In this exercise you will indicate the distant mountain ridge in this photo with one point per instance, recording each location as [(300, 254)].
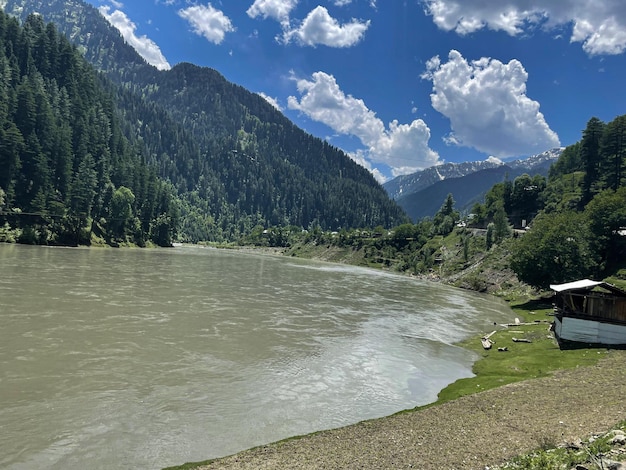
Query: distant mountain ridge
[(405, 185), (421, 194)]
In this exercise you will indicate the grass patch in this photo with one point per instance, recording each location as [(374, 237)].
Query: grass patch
[(589, 455), (521, 360)]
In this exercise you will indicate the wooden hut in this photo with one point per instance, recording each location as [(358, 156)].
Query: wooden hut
[(590, 312)]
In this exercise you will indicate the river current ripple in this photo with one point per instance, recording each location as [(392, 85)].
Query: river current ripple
[(147, 358)]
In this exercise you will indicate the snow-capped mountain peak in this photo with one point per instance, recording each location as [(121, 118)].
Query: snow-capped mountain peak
[(408, 184)]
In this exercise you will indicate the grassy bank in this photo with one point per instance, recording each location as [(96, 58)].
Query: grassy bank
[(469, 433), (537, 355)]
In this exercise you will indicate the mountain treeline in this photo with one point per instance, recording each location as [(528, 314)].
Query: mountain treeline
[(66, 168), (568, 226), (235, 162), (250, 165)]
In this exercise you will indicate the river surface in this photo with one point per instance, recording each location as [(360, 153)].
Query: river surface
[(134, 358)]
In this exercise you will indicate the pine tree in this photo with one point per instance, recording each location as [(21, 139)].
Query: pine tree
[(590, 156), (502, 228), (613, 154)]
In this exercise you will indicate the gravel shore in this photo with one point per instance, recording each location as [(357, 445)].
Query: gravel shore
[(472, 432)]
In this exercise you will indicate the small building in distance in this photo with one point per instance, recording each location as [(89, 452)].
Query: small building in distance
[(590, 313)]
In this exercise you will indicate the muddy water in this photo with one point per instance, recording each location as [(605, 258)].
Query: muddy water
[(148, 358)]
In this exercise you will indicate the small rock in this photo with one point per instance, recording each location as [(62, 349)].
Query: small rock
[(614, 465), (618, 439)]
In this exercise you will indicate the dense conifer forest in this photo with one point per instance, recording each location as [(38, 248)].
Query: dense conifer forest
[(67, 168), (233, 161)]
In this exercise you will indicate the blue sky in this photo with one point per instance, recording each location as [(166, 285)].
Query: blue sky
[(404, 85)]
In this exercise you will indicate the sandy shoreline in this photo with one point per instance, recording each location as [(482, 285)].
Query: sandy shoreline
[(471, 432)]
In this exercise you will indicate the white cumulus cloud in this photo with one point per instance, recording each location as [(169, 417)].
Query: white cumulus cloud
[(600, 25), (144, 46), (278, 10), (207, 21), (321, 28), (403, 147), (487, 105)]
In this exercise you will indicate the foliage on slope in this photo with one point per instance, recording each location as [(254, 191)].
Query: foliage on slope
[(533, 230), (67, 168), (579, 232), (235, 161)]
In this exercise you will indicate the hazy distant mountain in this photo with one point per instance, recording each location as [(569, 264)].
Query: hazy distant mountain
[(405, 185), (421, 194)]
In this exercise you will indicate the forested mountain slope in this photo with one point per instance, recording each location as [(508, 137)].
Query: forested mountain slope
[(67, 169), (235, 161)]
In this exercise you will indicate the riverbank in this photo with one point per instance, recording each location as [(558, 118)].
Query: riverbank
[(528, 395), (470, 433)]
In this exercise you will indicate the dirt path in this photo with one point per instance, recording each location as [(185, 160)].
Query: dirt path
[(472, 432)]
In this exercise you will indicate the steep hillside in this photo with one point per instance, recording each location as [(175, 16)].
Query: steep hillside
[(235, 161), (101, 44), (67, 170)]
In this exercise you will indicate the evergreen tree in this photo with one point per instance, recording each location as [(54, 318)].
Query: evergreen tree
[(83, 189), (501, 226), (121, 212), (490, 237), (11, 147), (446, 217), (569, 162), (613, 154), (606, 214), (590, 156)]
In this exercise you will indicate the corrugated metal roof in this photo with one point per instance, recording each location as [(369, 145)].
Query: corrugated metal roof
[(582, 284), (588, 284)]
